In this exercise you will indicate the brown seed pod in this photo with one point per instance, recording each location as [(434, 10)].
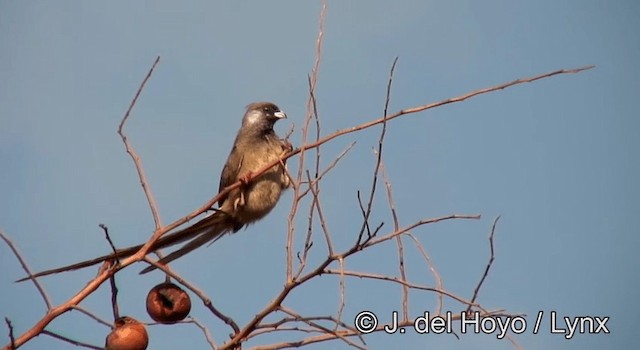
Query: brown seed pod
[(167, 303), (127, 334)]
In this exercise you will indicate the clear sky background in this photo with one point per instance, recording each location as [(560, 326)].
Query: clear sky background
[(556, 159)]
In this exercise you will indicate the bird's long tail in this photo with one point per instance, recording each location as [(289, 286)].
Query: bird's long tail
[(200, 233), (210, 228)]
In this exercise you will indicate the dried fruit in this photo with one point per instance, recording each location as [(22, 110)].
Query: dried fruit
[(127, 334), (167, 303)]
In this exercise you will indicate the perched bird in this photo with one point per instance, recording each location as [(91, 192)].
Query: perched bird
[(256, 145)]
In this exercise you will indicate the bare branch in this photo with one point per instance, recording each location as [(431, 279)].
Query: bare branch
[(491, 258), (399, 244), (324, 330), (351, 333), (396, 225), (432, 268), (71, 341), (105, 229), (12, 340), (311, 112), (425, 107), (308, 242), (366, 213), (92, 316), (27, 270), (410, 285), (114, 297), (323, 222), (419, 223), (134, 155), (204, 330), (342, 289)]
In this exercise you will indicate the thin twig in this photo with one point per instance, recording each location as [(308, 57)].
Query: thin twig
[(366, 213), (489, 263), (365, 220), (92, 316), (399, 244), (311, 112), (324, 330), (71, 341), (134, 155), (405, 229), (366, 275), (318, 208), (204, 330), (342, 287), (114, 297), (425, 107), (432, 268), (27, 270), (513, 342), (105, 229), (308, 242), (280, 325), (12, 340), (350, 333)]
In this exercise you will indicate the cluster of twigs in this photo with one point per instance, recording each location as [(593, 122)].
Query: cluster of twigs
[(299, 270)]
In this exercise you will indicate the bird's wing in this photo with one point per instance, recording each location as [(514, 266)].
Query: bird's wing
[(231, 171)]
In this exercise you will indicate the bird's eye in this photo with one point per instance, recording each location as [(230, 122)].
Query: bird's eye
[(266, 109)]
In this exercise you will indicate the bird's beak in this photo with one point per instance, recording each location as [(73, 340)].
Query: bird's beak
[(280, 115)]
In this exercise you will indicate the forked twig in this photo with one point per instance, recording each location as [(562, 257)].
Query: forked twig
[(134, 155)]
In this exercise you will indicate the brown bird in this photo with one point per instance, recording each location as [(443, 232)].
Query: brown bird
[(256, 146)]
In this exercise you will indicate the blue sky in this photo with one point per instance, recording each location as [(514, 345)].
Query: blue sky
[(556, 158)]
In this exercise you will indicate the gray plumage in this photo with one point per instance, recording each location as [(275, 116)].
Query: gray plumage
[(255, 146)]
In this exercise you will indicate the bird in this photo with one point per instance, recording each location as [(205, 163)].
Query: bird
[(256, 145)]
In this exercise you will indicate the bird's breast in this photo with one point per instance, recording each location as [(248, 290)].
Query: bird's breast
[(261, 197)]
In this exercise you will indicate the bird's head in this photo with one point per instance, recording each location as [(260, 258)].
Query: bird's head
[(262, 114)]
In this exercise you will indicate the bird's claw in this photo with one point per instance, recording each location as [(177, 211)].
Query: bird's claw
[(246, 178), (244, 181), (288, 147)]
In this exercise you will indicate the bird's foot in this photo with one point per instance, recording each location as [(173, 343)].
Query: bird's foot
[(287, 147), (246, 178), (214, 210)]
